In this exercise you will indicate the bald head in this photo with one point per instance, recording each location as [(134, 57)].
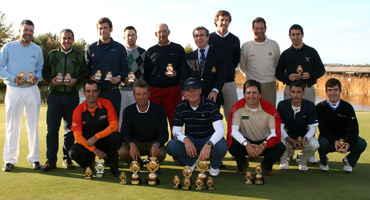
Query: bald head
[(162, 32)]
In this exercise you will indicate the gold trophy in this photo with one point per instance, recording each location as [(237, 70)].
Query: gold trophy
[(169, 69), (248, 178), (98, 75), (259, 180), (300, 70), (199, 183), (210, 183), (341, 146), (67, 78), (30, 77), (21, 76), (152, 166), (99, 167), (135, 168), (131, 77), (122, 178), (187, 178), (108, 76), (59, 78), (299, 144), (202, 168), (176, 182), (88, 173)]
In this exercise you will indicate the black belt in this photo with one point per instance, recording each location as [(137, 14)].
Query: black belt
[(109, 88)]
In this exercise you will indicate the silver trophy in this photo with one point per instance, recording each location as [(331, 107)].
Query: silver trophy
[(99, 166)]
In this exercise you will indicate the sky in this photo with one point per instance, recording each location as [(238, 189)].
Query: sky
[(339, 30)]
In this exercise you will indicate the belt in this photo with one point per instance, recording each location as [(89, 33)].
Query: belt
[(109, 88)]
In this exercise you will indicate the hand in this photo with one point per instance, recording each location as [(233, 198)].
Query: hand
[(73, 81), (294, 77), (18, 81), (259, 149), (154, 151), (305, 76), (292, 142), (93, 79), (205, 153), (134, 151), (34, 81), (53, 81), (90, 142), (115, 80), (100, 153), (174, 73), (251, 150), (212, 96), (190, 148)]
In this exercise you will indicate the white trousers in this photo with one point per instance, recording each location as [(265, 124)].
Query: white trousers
[(127, 98), (310, 148), (230, 97), (17, 100)]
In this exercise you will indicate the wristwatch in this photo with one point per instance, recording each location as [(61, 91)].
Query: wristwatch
[(156, 144), (210, 143), (245, 143)]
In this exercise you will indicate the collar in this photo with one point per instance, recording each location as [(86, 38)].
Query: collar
[(260, 42), (297, 48), (259, 108), (145, 110), (169, 42), (131, 49), (221, 35), (333, 106), (98, 105), (99, 42), (65, 52), (201, 103), (205, 51)]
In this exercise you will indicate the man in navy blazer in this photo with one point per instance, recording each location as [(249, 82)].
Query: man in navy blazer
[(207, 65)]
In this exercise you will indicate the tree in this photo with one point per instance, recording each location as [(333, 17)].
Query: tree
[(188, 48), (81, 45), (5, 30), (47, 42)]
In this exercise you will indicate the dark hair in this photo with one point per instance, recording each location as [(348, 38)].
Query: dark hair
[(258, 20), (28, 22), (298, 83), (198, 28), (296, 27), (221, 13), (141, 84), (251, 83), (67, 31), (103, 20), (332, 83), (91, 82), (130, 28)]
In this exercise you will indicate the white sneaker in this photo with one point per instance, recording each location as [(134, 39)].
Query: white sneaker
[(284, 166), (303, 168), (324, 168), (192, 168), (347, 167), (214, 172), (313, 159)]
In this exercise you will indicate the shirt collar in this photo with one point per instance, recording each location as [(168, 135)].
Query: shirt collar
[(205, 51), (259, 108), (66, 52), (221, 35), (333, 106), (169, 42), (98, 105), (145, 110)]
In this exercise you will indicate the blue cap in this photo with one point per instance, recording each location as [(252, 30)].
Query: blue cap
[(191, 83)]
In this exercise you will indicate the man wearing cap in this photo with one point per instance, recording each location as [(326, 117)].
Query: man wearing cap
[(204, 131)]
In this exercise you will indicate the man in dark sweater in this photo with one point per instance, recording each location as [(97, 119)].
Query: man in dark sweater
[(337, 120), (144, 127)]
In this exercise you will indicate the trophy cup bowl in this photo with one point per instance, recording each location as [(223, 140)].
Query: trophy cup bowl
[(98, 75), (299, 143), (30, 77), (341, 146), (21, 76), (169, 69), (199, 183), (300, 70), (131, 77), (59, 78), (67, 78), (108, 76)]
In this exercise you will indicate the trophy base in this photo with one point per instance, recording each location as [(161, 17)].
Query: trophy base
[(176, 186), (107, 79), (199, 188), (99, 175), (59, 80), (97, 79), (259, 181), (186, 187), (248, 182), (67, 80), (123, 182), (210, 187), (169, 73), (29, 81), (88, 177), (152, 182), (135, 181), (131, 80)]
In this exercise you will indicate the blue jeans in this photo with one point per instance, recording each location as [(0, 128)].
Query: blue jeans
[(177, 149)]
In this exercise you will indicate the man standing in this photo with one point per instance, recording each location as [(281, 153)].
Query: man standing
[(95, 128), (254, 130), (144, 127), (204, 131), (17, 59), (259, 58), (228, 43), (298, 120), (162, 69), (207, 65), (299, 62), (63, 97), (337, 121), (135, 58), (110, 58)]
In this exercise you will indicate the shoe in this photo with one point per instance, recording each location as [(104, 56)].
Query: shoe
[(347, 167), (313, 159), (284, 166), (48, 166), (36, 165), (214, 172), (8, 167), (68, 164), (268, 172), (303, 168), (115, 172), (243, 168), (192, 168), (324, 168)]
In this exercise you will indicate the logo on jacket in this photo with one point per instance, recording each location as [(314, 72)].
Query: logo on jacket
[(252, 55), (33, 56), (308, 59), (103, 117)]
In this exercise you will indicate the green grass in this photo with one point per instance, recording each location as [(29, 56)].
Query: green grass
[(26, 183)]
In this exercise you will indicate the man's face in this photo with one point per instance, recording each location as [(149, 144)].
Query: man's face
[(66, 40), (26, 33), (252, 96), (104, 31), (200, 38), (223, 23), (259, 30), (296, 37), (297, 94), (91, 93), (130, 37), (162, 33), (193, 95), (333, 93), (141, 96)]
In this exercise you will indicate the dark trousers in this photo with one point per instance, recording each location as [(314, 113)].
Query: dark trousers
[(272, 154), (108, 145), (355, 150), (114, 96), (59, 107)]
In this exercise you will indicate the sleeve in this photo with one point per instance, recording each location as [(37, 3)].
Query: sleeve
[(236, 53), (277, 54), (323, 128), (236, 119), (84, 71), (236, 134), (221, 72), (219, 131), (39, 65), (177, 118), (319, 69), (123, 71), (284, 134), (4, 57), (353, 126), (89, 60), (243, 58), (281, 111), (163, 130), (178, 134), (46, 71), (77, 129), (126, 129), (312, 117), (311, 131), (215, 113), (185, 74), (112, 119), (281, 73), (147, 64)]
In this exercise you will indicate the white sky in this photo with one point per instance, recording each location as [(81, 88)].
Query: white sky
[(339, 30)]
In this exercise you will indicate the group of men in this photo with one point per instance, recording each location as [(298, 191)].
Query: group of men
[(131, 93)]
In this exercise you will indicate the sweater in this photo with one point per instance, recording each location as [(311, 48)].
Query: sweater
[(135, 60)]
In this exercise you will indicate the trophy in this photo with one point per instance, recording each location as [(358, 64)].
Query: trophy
[(202, 168), (108, 76), (300, 70), (99, 167), (259, 180), (122, 178), (299, 144), (248, 178), (210, 182), (131, 77), (59, 78), (67, 78), (152, 166), (98, 75), (176, 182), (88, 173), (199, 183), (341, 146), (21, 76), (169, 69), (30, 77), (135, 168), (187, 180)]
